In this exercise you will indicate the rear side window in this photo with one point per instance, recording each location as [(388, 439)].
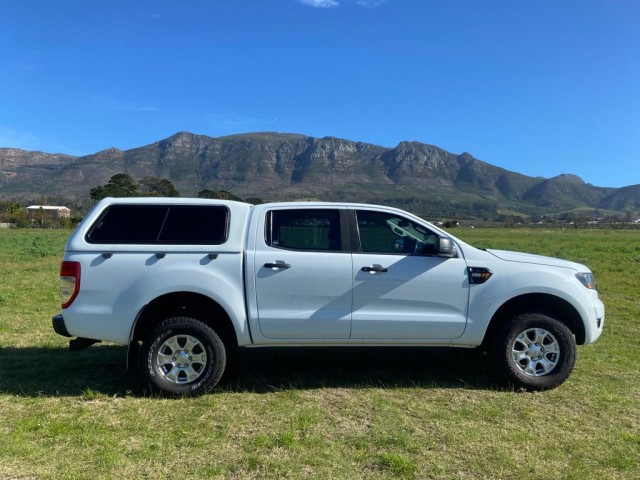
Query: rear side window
[(195, 225), (304, 229), (161, 224)]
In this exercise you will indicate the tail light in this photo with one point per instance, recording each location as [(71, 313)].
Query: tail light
[(69, 282)]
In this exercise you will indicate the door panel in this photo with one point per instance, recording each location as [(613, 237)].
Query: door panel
[(303, 275), (416, 297), (310, 299), (401, 288)]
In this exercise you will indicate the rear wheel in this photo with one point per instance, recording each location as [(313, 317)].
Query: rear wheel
[(182, 356), (535, 351)]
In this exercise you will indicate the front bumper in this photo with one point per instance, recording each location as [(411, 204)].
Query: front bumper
[(599, 312)]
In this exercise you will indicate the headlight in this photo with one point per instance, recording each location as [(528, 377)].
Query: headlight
[(587, 280)]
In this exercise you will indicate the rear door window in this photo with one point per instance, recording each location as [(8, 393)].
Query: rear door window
[(304, 229)]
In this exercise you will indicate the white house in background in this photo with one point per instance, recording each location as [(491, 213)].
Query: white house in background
[(48, 211)]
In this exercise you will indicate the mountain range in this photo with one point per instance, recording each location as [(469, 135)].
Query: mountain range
[(274, 166)]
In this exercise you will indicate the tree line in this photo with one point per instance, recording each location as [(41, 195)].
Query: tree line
[(119, 185), (123, 185)]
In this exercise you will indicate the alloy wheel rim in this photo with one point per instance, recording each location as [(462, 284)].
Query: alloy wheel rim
[(535, 352), (181, 359)]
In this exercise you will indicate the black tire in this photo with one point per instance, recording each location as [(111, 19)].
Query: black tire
[(182, 356), (535, 351)]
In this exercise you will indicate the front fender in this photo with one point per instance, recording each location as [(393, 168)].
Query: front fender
[(486, 299)]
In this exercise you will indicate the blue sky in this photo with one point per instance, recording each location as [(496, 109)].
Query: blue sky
[(540, 87)]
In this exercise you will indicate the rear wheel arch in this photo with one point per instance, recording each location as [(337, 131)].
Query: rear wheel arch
[(189, 304)]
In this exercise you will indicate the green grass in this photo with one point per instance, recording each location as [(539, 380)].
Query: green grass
[(319, 413)]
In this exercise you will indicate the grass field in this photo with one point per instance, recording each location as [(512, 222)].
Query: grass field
[(319, 413)]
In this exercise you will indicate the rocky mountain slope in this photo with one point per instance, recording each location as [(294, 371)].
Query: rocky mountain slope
[(277, 166)]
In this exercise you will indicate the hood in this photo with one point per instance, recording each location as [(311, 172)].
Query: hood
[(537, 259)]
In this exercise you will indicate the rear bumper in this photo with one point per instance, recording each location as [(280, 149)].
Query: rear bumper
[(59, 326), (77, 343)]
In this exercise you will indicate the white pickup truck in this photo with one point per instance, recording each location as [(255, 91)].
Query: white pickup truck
[(183, 281)]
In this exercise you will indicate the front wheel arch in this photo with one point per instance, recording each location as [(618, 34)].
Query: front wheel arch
[(548, 304)]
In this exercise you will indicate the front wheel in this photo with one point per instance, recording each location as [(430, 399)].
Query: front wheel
[(182, 356), (535, 351)]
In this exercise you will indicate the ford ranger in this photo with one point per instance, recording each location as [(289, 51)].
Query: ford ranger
[(181, 282)]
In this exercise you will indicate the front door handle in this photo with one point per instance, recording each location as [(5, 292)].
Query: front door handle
[(374, 269), (277, 265)]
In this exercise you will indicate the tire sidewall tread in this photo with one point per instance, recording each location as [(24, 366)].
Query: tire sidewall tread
[(213, 344), (515, 326)]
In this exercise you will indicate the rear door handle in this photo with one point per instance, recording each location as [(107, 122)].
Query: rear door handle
[(277, 265), (374, 269)]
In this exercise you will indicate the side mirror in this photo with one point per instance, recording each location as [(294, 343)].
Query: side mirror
[(446, 247)]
